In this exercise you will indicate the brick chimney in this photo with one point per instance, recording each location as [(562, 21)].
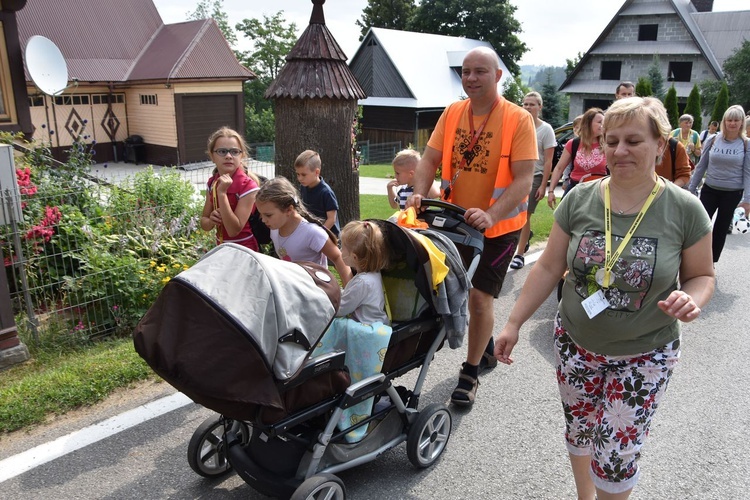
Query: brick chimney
[(703, 5)]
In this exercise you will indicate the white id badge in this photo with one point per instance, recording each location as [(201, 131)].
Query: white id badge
[(595, 304)]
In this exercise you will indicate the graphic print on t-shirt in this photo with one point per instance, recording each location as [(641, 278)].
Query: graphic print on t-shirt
[(632, 273), (477, 157)]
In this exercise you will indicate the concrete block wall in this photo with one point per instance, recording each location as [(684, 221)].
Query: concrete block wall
[(671, 29)]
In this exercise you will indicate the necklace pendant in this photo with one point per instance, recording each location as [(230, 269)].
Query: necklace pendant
[(599, 276)]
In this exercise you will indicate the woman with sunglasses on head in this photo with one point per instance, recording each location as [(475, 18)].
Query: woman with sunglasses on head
[(230, 196)]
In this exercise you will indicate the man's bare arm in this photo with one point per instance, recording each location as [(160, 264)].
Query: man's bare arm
[(424, 176)]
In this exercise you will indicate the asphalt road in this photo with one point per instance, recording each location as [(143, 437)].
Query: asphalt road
[(509, 446)]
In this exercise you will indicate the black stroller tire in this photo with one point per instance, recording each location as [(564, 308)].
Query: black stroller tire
[(428, 436), (207, 454), (325, 486)]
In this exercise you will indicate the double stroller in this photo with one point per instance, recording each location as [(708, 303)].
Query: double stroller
[(237, 332)]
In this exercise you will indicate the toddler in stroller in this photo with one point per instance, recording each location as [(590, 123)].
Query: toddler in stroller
[(236, 334)]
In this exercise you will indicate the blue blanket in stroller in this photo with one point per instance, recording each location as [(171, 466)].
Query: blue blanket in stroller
[(365, 346)]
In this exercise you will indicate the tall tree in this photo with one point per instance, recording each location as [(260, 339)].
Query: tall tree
[(391, 14), (206, 9), (722, 103), (488, 20), (514, 89), (737, 72), (551, 112), (693, 107), (673, 112), (272, 40), (709, 92), (656, 78), (643, 87)]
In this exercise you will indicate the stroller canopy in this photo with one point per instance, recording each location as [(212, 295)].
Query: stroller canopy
[(226, 330)]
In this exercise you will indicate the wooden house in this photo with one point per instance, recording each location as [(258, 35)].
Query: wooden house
[(409, 78), (132, 75)]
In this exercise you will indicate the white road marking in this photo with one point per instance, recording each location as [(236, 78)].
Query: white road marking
[(23, 462)]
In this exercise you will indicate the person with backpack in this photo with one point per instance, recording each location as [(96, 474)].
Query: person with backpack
[(231, 190), (675, 165), (588, 158)]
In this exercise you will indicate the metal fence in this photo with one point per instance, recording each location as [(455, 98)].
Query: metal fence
[(87, 250), (378, 153)]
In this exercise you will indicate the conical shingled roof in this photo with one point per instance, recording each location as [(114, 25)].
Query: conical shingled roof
[(316, 66)]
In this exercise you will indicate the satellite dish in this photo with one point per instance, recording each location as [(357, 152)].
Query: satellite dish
[(46, 65)]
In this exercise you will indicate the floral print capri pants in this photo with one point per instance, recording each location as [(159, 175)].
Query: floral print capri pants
[(609, 402)]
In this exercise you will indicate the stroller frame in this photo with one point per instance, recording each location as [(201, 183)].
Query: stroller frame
[(260, 451)]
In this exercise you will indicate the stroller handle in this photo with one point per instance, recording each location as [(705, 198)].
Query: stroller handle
[(459, 231), (431, 202)]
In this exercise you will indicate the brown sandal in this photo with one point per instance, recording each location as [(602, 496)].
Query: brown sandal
[(465, 397)]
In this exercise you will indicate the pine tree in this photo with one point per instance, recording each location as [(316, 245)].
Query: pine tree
[(551, 112), (693, 107), (656, 78), (673, 112), (643, 87), (722, 103)]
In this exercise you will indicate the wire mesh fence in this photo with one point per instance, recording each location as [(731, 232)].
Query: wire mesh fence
[(378, 153), (86, 248)]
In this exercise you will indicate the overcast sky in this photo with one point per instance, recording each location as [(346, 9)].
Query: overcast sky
[(551, 29)]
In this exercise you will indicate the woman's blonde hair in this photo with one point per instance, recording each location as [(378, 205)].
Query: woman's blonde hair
[(283, 194), (228, 133), (635, 108), (584, 132), (537, 96), (735, 112), (365, 240)]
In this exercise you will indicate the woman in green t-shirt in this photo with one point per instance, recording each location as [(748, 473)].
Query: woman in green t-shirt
[(617, 333)]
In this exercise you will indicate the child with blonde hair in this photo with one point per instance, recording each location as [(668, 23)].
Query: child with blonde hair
[(296, 234), (362, 328), (316, 193), (399, 189), (231, 190), (364, 250)]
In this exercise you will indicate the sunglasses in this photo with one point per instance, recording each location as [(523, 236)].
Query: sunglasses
[(223, 152)]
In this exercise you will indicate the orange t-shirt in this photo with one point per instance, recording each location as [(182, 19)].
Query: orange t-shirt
[(480, 170)]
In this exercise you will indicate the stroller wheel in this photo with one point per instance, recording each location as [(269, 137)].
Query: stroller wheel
[(428, 436), (207, 454), (325, 486)]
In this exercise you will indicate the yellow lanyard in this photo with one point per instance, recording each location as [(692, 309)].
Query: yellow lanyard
[(610, 258)]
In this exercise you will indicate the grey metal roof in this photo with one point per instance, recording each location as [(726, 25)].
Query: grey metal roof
[(685, 10), (608, 87), (724, 31), (126, 40), (426, 68), (661, 48)]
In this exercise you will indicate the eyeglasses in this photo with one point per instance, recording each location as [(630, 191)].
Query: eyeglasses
[(223, 152)]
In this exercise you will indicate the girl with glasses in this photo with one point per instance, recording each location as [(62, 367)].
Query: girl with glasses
[(230, 196)]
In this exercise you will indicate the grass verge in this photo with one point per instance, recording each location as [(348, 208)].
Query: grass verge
[(378, 170), (58, 380)]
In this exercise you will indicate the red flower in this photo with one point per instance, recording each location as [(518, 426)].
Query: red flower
[(626, 435), (614, 390)]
